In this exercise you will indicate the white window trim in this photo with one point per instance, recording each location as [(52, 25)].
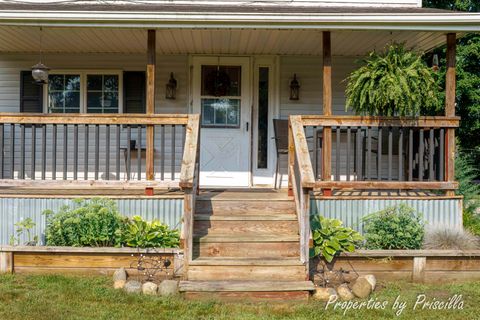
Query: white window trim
[(83, 87)]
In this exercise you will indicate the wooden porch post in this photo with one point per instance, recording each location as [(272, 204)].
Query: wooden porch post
[(150, 102), (450, 84), (327, 110)]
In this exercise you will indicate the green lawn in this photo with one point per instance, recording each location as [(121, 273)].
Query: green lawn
[(59, 297)]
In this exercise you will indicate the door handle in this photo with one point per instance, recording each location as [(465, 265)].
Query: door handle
[(247, 126)]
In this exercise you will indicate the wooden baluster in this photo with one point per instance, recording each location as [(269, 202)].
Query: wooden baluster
[(107, 152), (410, 154), (2, 134), (390, 152), (379, 155), (315, 151), (117, 152), (162, 153), (54, 152), (400, 154), (369, 152), (337, 153), (421, 149), (22, 151), (75, 152), (97, 150), (44, 150), (139, 153), (349, 145), (34, 145), (65, 150), (85, 160), (441, 169), (129, 160), (431, 150), (12, 151)]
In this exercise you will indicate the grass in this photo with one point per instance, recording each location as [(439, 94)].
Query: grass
[(55, 297)]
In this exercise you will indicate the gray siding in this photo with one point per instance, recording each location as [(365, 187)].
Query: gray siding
[(437, 212), (13, 210)]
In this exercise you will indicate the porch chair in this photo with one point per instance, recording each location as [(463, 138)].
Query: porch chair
[(280, 128)]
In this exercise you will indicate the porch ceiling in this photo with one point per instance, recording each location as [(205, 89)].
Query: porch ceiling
[(15, 39)]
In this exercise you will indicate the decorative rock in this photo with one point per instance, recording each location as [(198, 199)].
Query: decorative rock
[(324, 294), (120, 274), (344, 292), (168, 288), (119, 284), (149, 288), (133, 286), (362, 288), (371, 279)]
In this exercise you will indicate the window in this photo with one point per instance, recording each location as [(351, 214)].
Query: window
[(64, 93), (102, 93), (220, 96), (84, 91)]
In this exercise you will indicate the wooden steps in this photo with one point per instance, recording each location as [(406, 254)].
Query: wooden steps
[(247, 290), (246, 245)]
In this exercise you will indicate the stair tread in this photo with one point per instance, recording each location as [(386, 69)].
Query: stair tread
[(245, 261), (245, 217), (247, 237), (246, 286)]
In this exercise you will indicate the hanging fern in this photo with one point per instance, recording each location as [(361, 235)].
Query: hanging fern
[(396, 82)]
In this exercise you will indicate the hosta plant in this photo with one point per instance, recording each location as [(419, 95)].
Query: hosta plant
[(395, 82), (140, 233), (330, 238)]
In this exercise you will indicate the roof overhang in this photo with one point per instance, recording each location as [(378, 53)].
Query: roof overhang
[(417, 20)]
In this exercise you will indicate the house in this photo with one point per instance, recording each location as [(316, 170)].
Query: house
[(118, 115)]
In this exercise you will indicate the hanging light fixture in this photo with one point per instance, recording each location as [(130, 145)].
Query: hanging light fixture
[(435, 65), (294, 88), (171, 88), (40, 71)]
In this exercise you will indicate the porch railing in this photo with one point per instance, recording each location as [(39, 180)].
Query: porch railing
[(57, 150), (353, 152)]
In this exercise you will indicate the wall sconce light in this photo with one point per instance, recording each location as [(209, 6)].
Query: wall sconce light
[(435, 65), (294, 88), (171, 88)]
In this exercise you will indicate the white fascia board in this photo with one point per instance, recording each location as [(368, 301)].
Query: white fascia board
[(451, 22)]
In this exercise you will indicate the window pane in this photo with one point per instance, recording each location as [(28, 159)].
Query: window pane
[(55, 82), (94, 82), (94, 100), (221, 112), (262, 151), (72, 101), (220, 81), (72, 82), (55, 102), (111, 83)]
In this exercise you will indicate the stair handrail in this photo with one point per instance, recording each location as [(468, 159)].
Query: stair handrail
[(301, 181), (189, 182)]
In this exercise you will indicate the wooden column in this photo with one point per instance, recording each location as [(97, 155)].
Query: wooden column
[(327, 110), (150, 102), (450, 84)]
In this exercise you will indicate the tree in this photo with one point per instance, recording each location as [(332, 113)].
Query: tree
[(468, 78)]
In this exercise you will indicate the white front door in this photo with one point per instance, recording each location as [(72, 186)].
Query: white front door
[(221, 94)]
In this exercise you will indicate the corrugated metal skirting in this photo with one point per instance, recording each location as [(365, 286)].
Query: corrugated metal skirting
[(13, 210), (445, 212)]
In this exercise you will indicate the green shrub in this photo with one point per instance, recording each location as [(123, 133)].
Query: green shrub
[(137, 232), (397, 227), (471, 222), (394, 82), (331, 238), (24, 227), (88, 223)]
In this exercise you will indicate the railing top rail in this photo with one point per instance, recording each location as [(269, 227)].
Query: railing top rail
[(307, 178), (377, 121), (190, 154), (102, 119)]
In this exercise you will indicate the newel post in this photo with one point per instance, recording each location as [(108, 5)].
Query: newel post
[(450, 84), (151, 53), (327, 110)]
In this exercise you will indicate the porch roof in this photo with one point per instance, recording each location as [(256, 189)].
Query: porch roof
[(189, 14)]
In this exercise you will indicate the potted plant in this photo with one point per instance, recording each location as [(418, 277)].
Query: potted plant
[(395, 82)]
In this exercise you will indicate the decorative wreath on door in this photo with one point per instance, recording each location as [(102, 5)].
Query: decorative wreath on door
[(217, 83)]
